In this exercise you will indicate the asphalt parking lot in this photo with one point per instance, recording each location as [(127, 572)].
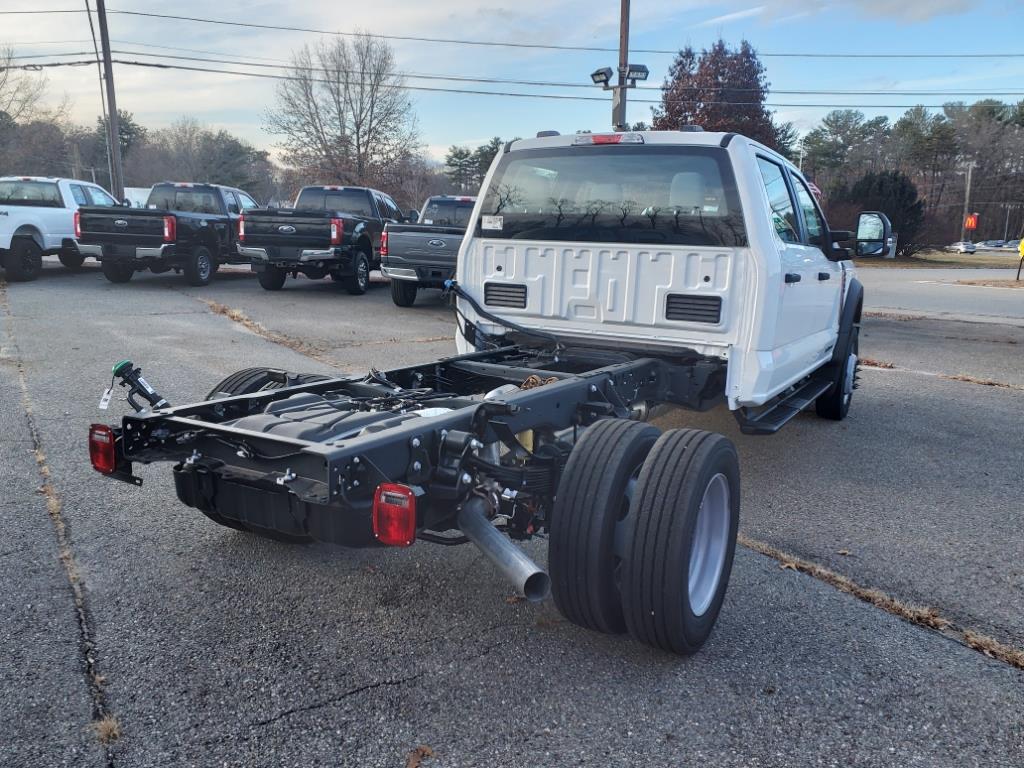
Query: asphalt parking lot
[(215, 648)]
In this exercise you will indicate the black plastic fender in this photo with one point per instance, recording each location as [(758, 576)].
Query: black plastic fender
[(848, 315)]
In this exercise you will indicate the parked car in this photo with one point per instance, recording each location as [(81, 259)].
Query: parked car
[(963, 246), (187, 227), (1012, 245), (601, 274), (423, 255), (37, 217), (991, 244), (331, 230)]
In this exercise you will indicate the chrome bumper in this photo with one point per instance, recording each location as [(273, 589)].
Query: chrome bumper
[(260, 254), (399, 273), (91, 249)]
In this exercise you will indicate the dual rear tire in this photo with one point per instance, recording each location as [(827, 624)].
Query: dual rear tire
[(643, 533)]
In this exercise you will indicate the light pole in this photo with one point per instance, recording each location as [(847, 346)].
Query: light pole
[(967, 201), (628, 73)]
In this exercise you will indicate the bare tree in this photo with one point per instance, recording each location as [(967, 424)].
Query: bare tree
[(344, 113), (20, 93)]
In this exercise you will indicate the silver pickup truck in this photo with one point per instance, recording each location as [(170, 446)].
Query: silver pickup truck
[(424, 255)]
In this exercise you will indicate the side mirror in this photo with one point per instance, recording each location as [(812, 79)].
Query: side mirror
[(127, 203), (874, 234), (412, 216)]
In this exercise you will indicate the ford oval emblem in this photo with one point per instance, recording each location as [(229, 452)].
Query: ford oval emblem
[(286, 229), (435, 243), (120, 223)]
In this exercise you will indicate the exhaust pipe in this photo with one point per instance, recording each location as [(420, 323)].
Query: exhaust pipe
[(531, 581)]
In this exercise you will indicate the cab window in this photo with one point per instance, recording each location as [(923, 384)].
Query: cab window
[(98, 197), (783, 210), (813, 220), (246, 202), (78, 193)]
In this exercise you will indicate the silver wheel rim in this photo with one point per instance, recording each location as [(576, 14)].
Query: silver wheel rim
[(851, 373), (203, 266), (710, 544), (363, 271)]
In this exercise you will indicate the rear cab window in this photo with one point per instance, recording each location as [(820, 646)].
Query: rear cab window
[(671, 195), (40, 194), (347, 200), (447, 212), (98, 197), (194, 199)]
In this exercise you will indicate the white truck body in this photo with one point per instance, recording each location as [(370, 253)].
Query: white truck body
[(43, 208), (778, 299)]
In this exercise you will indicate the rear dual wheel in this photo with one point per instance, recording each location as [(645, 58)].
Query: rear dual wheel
[(643, 532), (403, 292)]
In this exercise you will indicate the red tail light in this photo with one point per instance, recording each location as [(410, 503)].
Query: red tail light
[(78, 224), (241, 228), (102, 448), (337, 231), (394, 515), (170, 229), (384, 244)]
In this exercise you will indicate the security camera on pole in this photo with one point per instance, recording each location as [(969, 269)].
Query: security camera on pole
[(627, 76)]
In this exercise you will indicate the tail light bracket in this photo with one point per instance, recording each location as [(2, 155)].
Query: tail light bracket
[(121, 468)]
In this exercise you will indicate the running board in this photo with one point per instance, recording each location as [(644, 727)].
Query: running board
[(771, 418)]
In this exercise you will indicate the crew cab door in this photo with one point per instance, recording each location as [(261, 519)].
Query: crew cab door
[(802, 338)]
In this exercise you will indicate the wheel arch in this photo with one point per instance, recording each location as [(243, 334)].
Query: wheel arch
[(30, 230), (853, 307)]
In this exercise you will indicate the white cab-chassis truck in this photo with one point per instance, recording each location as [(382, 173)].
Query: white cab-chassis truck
[(601, 275)]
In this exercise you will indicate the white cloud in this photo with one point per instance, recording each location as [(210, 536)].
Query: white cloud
[(730, 17)]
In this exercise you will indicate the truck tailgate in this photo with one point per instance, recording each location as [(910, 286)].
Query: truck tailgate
[(128, 226), (412, 245), (287, 229)]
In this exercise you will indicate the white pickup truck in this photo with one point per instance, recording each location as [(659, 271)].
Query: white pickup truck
[(600, 275), (37, 217)]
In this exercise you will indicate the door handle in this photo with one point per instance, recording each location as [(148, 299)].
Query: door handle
[(824, 275), (792, 277)]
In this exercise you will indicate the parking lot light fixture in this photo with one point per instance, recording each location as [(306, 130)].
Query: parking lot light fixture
[(602, 77), (636, 72)]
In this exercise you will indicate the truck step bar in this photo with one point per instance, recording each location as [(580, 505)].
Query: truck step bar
[(770, 418)]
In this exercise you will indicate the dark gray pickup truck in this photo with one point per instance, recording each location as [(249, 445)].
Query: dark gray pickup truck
[(424, 255)]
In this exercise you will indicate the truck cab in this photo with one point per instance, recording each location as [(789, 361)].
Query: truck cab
[(37, 218), (709, 244)]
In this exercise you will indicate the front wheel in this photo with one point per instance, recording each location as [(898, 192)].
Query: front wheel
[(403, 292), (272, 278), (835, 403), (24, 260), (199, 268), (359, 280), (682, 537), (117, 271)]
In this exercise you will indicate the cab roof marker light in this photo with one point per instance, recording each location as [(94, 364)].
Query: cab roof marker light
[(587, 139)]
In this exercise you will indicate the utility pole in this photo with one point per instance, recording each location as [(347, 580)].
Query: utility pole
[(619, 94), (1006, 226), (967, 202), (113, 124)]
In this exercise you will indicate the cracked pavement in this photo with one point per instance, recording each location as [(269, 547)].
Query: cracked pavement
[(219, 648)]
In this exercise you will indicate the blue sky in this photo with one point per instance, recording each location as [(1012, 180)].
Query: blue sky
[(773, 26)]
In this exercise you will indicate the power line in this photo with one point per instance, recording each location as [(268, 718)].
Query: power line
[(542, 83), (505, 44), (554, 96), (31, 13)]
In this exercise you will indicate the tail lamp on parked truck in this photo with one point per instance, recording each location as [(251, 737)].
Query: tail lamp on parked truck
[(78, 225), (241, 228), (383, 244), (337, 231), (170, 229)]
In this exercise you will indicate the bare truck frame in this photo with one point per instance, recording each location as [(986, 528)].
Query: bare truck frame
[(438, 452)]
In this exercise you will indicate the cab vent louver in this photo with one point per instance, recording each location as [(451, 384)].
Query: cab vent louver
[(508, 295), (693, 309)]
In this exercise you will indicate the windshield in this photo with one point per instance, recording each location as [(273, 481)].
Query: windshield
[(442, 212), (353, 201), (184, 199), (615, 194), (43, 194)]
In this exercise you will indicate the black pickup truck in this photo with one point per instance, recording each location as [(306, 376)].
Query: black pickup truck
[(186, 227), (424, 255), (331, 230)]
